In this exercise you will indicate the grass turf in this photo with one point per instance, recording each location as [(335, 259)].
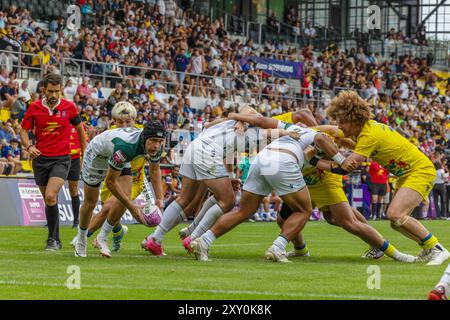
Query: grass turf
[(238, 269)]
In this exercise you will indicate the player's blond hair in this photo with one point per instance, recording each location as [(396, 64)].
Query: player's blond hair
[(349, 106), (124, 110)]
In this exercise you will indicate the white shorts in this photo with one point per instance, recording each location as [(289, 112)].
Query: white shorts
[(203, 161), (95, 167), (274, 170)]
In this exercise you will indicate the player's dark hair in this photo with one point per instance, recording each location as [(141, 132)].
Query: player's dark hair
[(52, 78)]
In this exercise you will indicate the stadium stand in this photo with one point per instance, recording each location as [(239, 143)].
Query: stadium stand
[(184, 69)]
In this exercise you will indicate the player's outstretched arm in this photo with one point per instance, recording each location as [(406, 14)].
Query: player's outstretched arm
[(112, 182), (304, 116), (256, 120)]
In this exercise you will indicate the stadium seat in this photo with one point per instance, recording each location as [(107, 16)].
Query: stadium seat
[(5, 4)]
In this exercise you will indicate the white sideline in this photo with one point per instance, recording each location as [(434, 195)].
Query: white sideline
[(231, 292)]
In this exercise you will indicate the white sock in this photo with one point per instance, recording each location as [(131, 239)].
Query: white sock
[(171, 217), (445, 280), (208, 237), (206, 206), (82, 234), (208, 221), (281, 242), (105, 230)]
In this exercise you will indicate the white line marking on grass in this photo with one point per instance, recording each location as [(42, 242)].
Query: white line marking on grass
[(211, 291)]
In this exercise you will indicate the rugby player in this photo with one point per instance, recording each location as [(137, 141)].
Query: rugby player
[(400, 157), (203, 163), (105, 158)]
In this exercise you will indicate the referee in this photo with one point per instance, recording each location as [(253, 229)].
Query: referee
[(51, 119)]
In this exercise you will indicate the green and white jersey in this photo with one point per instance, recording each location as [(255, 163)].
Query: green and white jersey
[(119, 146)]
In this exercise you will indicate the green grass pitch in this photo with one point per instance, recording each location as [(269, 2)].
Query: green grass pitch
[(238, 269)]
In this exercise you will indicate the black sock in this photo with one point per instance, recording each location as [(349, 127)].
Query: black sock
[(76, 208), (378, 210), (52, 215), (374, 209)]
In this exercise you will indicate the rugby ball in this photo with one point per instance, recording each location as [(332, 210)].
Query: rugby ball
[(151, 215)]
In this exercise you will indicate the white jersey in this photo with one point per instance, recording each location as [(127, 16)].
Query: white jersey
[(119, 146), (297, 147), (221, 137)]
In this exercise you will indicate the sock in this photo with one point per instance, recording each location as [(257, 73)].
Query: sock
[(52, 215), (208, 221), (378, 210), (445, 280), (82, 234), (76, 208), (206, 206), (90, 233), (208, 237), (302, 249), (373, 209), (57, 229), (431, 241), (117, 230), (105, 230), (388, 249), (171, 217), (281, 242)]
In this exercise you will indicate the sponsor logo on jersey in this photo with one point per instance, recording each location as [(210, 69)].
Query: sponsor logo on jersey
[(118, 159)]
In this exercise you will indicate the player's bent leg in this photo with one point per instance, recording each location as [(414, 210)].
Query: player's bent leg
[(300, 203), (73, 190), (249, 205), (225, 200), (115, 214), (399, 211), (91, 194), (300, 247), (172, 216), (346, 219)]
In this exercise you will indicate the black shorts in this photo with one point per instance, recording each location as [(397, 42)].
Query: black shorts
[(285, 211), (75, 169), (45, 168), (379, 189), (126, 172)]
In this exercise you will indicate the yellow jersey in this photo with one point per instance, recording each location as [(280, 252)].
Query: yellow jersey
[(391, 150), (325, 188), (284, 117)]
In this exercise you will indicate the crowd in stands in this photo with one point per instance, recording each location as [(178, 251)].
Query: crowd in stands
[(190, 55)]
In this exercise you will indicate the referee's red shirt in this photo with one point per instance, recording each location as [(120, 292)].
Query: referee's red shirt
[(52, 128)]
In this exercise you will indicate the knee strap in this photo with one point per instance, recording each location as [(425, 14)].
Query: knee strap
[(400, 222)]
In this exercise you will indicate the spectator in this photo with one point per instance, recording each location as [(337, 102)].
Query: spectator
[(181, 65), (439, 192), (70, 90), (9, 94), (84, 90), (273, 23), (310, 32), (8, 59)]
